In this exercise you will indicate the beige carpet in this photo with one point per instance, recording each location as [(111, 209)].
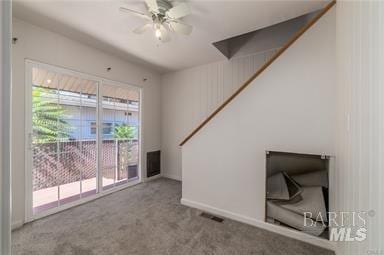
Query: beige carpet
[(147, 219)]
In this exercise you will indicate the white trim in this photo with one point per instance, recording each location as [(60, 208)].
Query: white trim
[(152, 178), (17, 224), (172, 176), (99, 137), (140, 136), (27, 150), (29, 64), (261, 224), (6, 128)]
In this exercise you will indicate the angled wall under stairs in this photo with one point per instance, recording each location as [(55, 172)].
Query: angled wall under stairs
[(289, 107)]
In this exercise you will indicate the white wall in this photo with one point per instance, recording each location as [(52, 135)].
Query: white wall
[(190, 96), (360, 40), (42, 45), (289, 107), (5, 110)]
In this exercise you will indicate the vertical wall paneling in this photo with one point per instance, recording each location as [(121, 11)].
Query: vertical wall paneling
[(360, 40), (189, 96)]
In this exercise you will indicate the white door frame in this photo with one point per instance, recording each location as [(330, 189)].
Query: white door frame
[(5, 128), (29, 64)]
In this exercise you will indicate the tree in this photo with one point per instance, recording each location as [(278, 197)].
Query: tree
[(124, 132), (124, 148), (47, 117)]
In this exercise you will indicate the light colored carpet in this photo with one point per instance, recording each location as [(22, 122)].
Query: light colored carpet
[(147, 219)]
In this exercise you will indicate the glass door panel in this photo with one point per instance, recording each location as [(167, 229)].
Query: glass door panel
[(44, 146), (88, 146), (120, 135), (77, 145), (63, 156)]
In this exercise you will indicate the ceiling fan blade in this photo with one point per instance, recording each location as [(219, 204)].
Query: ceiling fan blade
[(152, 5), (136, 13), (181, 28), (165, 36), (179, 11), (143, 28)]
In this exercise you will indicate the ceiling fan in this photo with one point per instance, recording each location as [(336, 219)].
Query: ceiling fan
[(163, 18)]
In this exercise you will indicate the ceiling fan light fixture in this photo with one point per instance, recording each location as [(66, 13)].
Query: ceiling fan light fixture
[(164, 18), (158, 33)]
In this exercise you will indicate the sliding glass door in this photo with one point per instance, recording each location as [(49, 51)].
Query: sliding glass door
[(120, 135), (83, 137)]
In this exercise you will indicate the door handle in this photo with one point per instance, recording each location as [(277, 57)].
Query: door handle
[(29, 141)]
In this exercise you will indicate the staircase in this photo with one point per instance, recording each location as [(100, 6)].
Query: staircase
[(287, 105), (261, 70)]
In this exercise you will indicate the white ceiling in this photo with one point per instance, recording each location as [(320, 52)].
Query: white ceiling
[(101, 25)]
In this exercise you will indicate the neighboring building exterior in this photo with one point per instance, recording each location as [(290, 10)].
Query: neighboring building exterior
[(86, 129)]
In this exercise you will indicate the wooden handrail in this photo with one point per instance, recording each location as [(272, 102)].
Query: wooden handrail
[(268, 63)]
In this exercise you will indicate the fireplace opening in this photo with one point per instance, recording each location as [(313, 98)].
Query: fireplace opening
[(297, 191)]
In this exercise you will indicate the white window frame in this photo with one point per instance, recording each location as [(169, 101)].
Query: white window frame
[(29, 65)]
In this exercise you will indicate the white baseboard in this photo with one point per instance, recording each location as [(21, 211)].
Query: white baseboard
[(171, 176), (264, 225), (148, 179), (17, 224)]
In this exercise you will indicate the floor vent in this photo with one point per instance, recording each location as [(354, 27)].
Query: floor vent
[(211, 217)]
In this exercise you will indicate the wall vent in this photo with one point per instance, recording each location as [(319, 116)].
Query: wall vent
[(153, 163)]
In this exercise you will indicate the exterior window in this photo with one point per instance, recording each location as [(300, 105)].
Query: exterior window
[(107, 128)]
